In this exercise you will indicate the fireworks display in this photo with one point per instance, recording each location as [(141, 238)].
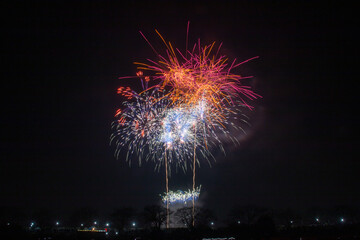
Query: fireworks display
[(181, 196), (190, 102), (198, 75), (148, 125), (187, 101), (139, 127)]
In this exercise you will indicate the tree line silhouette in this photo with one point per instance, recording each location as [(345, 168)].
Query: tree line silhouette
[(247, 221)]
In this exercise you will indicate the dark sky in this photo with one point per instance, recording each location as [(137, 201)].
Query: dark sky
[(61, 63)]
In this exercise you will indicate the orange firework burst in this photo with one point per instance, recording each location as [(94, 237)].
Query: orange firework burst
[(197, 76)]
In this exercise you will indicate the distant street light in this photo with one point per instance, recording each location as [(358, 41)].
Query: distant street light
[(57, 223), (82, 225), (95, 222), (238, 222), (212, 223), (342, 220), (107, 224), (317, 219), (133, 224)]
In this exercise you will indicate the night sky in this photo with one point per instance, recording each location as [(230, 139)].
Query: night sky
[(61, 63)]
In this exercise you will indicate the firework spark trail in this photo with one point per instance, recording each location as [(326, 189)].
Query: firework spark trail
[(194, 167), (167, 190)]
